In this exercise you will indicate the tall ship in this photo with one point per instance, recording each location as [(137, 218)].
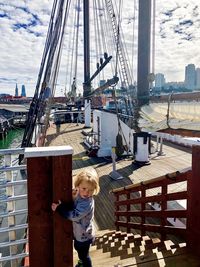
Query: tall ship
[(144, 148)]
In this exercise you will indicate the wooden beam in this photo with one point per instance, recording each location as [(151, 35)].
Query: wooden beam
[(63, 232), (49, 179)]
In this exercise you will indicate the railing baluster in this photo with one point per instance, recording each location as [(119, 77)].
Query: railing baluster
[(117, 208), (143, 194), (128, 208), (11, 207), (11, 182), (163, 208), (137, 195)]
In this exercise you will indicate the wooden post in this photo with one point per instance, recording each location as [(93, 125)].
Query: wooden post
[(63, 232), (49, 172), (193, 218)]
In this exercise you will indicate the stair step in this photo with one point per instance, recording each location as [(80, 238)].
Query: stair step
[(120, 249)]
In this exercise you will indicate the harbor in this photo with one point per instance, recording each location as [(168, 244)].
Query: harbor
[(12, 117)]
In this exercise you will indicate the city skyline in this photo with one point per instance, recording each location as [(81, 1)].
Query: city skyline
[(159, 81), (23, 28), (191, 79)]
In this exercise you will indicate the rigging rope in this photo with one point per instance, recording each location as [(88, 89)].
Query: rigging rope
[(153, 37), (69, 49), (117, 40), (133, 40), (77, 35), (73, 49), (50, 60), (97, 34)]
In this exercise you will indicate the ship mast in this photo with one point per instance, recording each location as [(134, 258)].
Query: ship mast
[(87, 83), (144, 45)]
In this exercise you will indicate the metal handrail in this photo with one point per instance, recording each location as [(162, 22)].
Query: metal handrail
[(14, 257), (15, 183), (14, 228), (10, 188), (12, 168), (13, 213), (14, 242), (12, 198), (12, 151)]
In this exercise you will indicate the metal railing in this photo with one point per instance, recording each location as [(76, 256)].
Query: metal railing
[(13, 208)]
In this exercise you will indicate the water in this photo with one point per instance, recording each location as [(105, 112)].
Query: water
[(13, 139)]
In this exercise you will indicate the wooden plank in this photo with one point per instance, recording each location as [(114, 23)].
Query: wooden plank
[(175, 159), (161, 254)]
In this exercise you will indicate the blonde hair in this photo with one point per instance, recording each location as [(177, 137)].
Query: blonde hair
[(89, 175)]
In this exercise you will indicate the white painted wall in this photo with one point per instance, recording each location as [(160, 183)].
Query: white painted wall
[(108, 132)]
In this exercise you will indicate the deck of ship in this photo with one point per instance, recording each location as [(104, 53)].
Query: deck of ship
[(71, 134)]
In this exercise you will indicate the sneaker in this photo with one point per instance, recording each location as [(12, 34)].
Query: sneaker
[(79, 264)]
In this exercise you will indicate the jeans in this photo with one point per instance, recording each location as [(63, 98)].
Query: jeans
[(83, 252)]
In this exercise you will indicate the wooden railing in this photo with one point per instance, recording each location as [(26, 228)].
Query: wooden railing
[(137, 206), (166, 205)]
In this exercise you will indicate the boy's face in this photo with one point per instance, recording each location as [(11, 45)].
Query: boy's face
[(85, 189)]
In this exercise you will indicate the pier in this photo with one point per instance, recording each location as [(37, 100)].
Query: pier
[(12, 116)]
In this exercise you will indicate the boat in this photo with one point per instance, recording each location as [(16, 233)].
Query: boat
[(145, 167), (171, 166)]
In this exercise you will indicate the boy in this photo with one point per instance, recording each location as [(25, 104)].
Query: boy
[(82, 213)]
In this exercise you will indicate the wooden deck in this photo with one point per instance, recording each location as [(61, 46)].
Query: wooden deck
[(117, 249), (70, 134)]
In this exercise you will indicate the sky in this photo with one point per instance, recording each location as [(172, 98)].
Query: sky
[(23, 31)]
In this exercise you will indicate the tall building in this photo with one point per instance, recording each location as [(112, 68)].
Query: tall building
[(190, 76), (16, 90), (159, 80), (23, 93), (198, 78)]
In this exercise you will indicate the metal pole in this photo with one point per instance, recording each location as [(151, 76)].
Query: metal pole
[(144, 47), (160, 152), (114, 159)]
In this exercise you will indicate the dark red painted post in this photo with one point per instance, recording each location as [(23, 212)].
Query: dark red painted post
[(63, 233), (49, 174), (193, 219)]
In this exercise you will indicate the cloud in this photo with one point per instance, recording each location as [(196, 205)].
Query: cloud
[(176, 31), (23, 30)]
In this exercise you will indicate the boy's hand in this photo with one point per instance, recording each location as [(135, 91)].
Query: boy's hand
[(74, 193), (55, 205)]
